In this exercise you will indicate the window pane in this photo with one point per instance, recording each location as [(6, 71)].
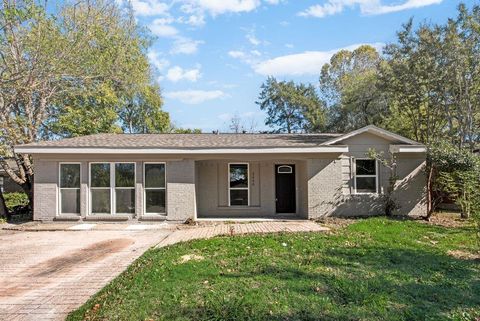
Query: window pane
[(365, 166), (100, 175), (155, 201), (239, 175), (154, 175), (125, 201), (125, 175), (100, 201), (70, 201), (70, 175), (366, 185), (239, 197)]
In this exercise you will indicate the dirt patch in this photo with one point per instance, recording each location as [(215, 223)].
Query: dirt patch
[(191, 257), (459, 254), (65, 263), (447, 220)]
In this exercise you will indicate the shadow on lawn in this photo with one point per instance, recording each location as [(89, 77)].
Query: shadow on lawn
[(398, 284)]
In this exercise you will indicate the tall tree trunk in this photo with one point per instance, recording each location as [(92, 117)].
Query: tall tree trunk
[(429, 194), (28, 189), (4, 213)]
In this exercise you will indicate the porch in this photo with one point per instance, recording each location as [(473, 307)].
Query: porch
[(242, 189)]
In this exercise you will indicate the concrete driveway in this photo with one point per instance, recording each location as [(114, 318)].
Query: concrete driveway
[(44, 275)]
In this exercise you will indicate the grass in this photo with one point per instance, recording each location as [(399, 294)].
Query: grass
[(375, 269)]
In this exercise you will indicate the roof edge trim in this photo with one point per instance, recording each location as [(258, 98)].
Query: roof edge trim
[(142, 151), (376, 131)]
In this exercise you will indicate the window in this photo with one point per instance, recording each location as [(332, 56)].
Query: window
[(125, 188), (238, 185), (112, 188), (366, 181), (100, 188), (285, 169), (155, 186), (1, 183), (69, 188)]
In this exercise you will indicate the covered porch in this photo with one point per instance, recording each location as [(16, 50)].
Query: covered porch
[(251, 188)]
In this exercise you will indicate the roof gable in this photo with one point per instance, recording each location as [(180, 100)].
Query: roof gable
[(371, 129)]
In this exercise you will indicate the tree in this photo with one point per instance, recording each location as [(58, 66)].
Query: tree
[(350, 86), (238, 125), (291, 107), (453, 173), (142, 112), (431, 79), (389, 162), (53, 67)]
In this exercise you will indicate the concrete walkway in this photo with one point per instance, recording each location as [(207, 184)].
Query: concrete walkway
[(48, 271)]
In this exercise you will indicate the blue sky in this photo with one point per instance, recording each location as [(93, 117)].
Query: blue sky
[(211, 56)]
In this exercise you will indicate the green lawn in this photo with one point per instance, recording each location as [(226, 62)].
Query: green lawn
[(375, 269)]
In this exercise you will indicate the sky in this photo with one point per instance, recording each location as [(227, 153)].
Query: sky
[(211, 56)]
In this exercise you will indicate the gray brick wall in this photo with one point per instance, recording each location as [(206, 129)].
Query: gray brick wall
[(181, 199), (330, 182), (45, 190)]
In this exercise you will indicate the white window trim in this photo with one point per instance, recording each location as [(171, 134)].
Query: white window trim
[(285, 166), (153, 188), (112, 188), (355, 176), (239, 188), (60, 188)]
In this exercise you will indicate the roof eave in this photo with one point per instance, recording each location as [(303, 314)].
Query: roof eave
[(187, 151), (376, 131)]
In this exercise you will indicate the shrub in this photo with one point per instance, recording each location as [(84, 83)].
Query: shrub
[(13, 200)]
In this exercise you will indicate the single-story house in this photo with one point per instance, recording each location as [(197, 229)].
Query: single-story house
[(223, 176)]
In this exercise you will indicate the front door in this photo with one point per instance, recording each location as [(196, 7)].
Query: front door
[(285, 188)]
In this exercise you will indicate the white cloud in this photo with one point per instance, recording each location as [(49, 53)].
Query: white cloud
[(157, 61), (193, 97), (177, 73), (367, 7), (306, 63), (183, 45), (253, 39), (237, 54), (149, 7), (195, 15), (249, 58), (162, 28), (216, 7)]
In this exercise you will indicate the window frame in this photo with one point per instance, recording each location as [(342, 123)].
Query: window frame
[(60, 188), (153, 188), (112, 187), (285, 166), (239, 188), (115, 188), (355, 176)]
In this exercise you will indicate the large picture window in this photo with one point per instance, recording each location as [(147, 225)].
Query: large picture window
[(155, 187), (69, 188), (112, 188), (366, 176), (238, 190)]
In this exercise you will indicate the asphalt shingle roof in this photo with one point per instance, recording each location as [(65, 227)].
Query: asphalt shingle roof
[(189, 141)]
